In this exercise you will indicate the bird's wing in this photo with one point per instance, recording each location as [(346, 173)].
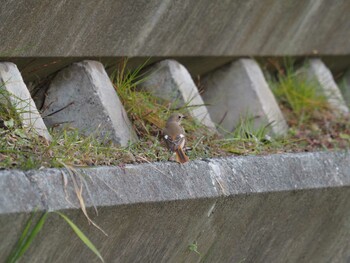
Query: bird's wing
[(175, 143)]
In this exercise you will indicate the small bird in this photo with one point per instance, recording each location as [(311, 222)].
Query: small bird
[(174, 136)]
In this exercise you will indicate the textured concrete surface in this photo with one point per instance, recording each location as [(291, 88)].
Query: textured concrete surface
[(43, 37), (20, 98), (278, 208), (168, 28), (317, 72), (82, 96), (239, 90), (172, 82)]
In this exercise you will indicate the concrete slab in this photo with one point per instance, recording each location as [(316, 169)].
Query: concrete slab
[(12, 82), (317, 72), (239, 90), (286, 207), (82, 96), (171, 81), (163, 28)]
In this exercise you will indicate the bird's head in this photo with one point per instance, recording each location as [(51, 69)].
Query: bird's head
[(176, 117)]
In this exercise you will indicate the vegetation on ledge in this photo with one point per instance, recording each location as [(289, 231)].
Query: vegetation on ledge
[(313, 126)]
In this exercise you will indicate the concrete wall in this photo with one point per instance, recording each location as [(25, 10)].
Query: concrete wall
[(280, 208), (44, 36), (168, 28), (238, 209)]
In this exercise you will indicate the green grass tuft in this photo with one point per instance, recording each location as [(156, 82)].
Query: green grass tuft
[(300, 96)]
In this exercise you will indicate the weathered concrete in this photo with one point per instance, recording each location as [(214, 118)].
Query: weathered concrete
[(43, 37), (317, 72), (11, 81), (82, 96), (171, 81), (239, 90), (165, 28), (278, 208)]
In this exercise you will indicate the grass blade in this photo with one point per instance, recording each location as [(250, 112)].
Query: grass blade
[(27, 238), (81, 235), (14, 254), (33, 234)]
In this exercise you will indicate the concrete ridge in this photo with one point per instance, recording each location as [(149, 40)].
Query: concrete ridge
[(166, 181)]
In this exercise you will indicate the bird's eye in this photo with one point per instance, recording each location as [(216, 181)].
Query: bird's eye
[(179, 117)]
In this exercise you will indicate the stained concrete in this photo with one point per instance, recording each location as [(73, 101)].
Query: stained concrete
[(239, 91), (277, 208), (19, 98), (82, 96)]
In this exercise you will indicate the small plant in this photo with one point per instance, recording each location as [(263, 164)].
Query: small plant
[(299, 95), (313, 123), (246, 137), (194, 248), (32, 229), (145, 110)]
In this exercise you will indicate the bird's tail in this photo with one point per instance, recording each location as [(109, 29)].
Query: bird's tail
[(181, 157)]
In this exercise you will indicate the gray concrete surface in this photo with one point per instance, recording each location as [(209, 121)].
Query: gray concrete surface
[(168, 28), (19, 97), (277, 208), (239, 91), (82, 96), (43, 37), (170, 81), (318, 73)]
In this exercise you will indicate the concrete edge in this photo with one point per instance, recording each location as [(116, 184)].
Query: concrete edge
[(166, 181)]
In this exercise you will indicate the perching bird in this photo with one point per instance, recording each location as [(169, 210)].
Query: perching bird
[(174, 136)]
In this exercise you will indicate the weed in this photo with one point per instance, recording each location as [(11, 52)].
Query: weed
[(246, 138), (313, 123), (194, 248), (33, 228), (81, 235), (300, 96), (27, 237)]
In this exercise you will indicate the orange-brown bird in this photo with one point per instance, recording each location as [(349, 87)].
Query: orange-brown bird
[(174, 136)]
